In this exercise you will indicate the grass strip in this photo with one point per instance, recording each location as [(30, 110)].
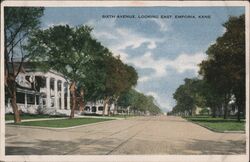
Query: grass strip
[(219, 124), (31, 116), (63, 123)]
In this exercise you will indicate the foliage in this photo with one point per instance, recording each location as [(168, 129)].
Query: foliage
[(188, 96), (138, 102), (19, 22), (96, 73), (223, 74), (71, 51), (225, 68)]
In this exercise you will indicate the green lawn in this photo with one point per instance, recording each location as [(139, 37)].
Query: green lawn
[(29, 116), (218, 124), (62, 123)]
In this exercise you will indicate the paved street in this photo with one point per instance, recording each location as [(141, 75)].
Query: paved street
[(143, 135)]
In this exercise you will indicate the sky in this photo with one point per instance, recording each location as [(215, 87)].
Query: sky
[(164, 51)]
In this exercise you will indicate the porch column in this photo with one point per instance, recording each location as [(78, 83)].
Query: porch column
[(48, 100), (68, 97), (56, 93), (25, 100), (62, 95), (35, 100)]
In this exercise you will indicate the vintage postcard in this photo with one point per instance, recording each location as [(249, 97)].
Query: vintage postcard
[(124, 81)]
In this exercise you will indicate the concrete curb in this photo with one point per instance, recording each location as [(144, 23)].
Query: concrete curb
[(211, 129)]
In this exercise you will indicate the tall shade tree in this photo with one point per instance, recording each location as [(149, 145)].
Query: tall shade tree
[(188, 96), (71, 51), (19, 22), (225, 68), (119, 78)]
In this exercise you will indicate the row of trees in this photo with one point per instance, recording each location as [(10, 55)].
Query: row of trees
[(90, 68), (223, 75), (138, 102)]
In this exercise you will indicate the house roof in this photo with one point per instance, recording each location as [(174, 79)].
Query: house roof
[(32, 67)]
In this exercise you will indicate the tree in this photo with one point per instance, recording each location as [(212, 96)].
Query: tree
[(225, 68), (119, 78), (138, 102), (212, 98), (190, 95), (71, 51), (19, 22)]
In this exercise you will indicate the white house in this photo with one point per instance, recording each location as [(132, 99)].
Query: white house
[(47, 92), (97, 108)]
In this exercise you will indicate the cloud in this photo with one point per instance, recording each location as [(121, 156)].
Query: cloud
[(151, 93), (51, 24), (128, 38), (224, 30), (143, 78), (147, 61), (186, 62), (162, 24), (181, 64), (161, 101), (119, 38)]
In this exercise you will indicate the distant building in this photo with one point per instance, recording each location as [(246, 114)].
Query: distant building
[(97, 108), (94, 108)]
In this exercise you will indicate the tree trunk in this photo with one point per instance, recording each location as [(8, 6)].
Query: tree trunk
[(240, 105), (220, 110), (225, 111), (73, 92), (81, 100), (17, 118), (115, 105), (12, 90), (214, 111), (238, 114), (105, 105), (109, 110), (226, 107)]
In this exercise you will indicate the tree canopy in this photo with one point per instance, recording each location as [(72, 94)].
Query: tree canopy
[(71, 51), (223, 72), (91, 68), (138, 102), (19, 22)]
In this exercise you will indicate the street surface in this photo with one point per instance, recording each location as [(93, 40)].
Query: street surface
[(143, 135)]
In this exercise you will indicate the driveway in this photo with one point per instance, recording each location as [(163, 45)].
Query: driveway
[(142, 135)]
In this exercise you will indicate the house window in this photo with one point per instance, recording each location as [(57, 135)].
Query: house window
[(37, 99), (93, 109), (52, 84), (30, 99), (87, 108), (20, 97), (100, 108), (59, 85)]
